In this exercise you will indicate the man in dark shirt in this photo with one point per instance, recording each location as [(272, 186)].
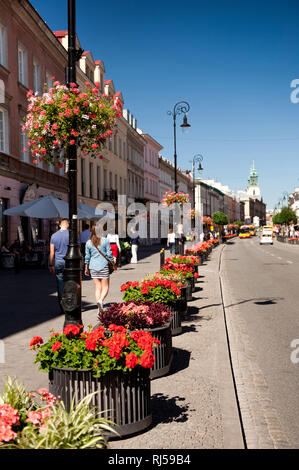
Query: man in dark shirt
[(58, 248)]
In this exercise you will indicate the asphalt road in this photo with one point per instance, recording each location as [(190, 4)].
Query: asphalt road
[(263, 285)]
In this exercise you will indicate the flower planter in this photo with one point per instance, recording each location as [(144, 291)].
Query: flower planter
[(189, 290), (193, 284), (182, 302), (124, 398), (163, 351), (176, 322)]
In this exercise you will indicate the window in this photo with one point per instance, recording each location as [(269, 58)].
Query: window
[(120, 185), (25, 156), (83, 176), (23, 65), (37, 77), (3, 46), (115, 145), (4, 144), (99, 182), (49, 81), (115, 182), (91, 179)]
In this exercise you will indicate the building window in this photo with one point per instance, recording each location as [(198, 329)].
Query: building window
[(3, 46), (91, 179), (120, 185), (3, 221), (4, 144), (25, 156), (23, 65), (115, 182), (99, 182), (83, 176), (49, 81), (37, 77), (115, 145)]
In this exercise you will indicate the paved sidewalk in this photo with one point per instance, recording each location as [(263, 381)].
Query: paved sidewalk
[(193, 407)]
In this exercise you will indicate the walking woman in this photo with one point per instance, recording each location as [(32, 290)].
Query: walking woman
[(171, 241), (97, 254)]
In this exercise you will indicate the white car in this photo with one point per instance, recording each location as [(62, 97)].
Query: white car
[(266, 238)]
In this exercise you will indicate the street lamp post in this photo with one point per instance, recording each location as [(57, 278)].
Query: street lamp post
[(196, 159), (71, 295), (179, 108)]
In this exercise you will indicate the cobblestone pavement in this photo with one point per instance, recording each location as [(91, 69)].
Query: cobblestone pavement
[(193, 407)]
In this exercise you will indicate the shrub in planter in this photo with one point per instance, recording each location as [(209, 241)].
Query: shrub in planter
[(160, 291), (36, 420), (136, 315), (192, 260), (112, 362), (153, 316)]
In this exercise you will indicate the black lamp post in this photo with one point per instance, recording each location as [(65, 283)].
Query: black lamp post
[(71, 295), (198, 158), (179, 108)]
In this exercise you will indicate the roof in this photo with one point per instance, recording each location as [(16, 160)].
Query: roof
[(60, 34)]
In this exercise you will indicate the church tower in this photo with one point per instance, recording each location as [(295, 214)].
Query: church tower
[(253, 189)]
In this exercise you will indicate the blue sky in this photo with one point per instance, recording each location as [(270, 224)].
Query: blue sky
[(232, 61)]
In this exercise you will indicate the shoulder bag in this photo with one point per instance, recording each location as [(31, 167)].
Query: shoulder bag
[(111, 265)]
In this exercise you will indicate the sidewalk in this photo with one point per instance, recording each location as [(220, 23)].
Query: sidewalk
[(193, 407)]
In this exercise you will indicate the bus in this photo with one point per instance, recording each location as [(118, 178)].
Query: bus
[(252, 230), (244, 231)]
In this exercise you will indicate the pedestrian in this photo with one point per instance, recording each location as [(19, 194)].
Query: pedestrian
[(84, 237), (58, 248), (135, 240), (115, 246), (97, 256), (171, 241)]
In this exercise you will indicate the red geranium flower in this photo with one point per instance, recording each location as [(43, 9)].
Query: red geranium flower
[(131, 360), (36, 342), (147, 359), (72, 330), (56, 346)]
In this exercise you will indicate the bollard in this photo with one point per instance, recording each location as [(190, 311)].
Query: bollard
[(162, 258)]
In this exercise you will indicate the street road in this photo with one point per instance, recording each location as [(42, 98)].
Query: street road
[(261, 298)]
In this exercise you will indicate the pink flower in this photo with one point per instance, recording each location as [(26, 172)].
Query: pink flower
[(72, 142), (8, 415), (94, 146), (6, 433), (34, 417)]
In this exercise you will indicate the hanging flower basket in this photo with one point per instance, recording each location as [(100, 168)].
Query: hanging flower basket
[(171, 198), (63, 117)]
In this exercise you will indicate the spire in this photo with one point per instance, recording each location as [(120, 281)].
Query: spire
[(253, 176)]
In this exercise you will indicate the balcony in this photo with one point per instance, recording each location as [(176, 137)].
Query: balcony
[(110, 195)]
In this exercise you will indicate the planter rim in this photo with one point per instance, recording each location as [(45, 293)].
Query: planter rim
[(70, 369)]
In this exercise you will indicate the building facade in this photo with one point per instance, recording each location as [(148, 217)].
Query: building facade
[(29, 57)]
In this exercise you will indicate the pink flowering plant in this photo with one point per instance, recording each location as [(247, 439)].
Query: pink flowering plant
[(134, 315), (20, 411), (37, 420), (170, 197), (64, 116)]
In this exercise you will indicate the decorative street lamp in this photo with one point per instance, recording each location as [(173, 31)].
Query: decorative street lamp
[(196, 159), (71, 295), (179, 108)]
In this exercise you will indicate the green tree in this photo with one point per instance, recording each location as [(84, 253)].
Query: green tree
[(238, 222), (285, 216), (219, 218)]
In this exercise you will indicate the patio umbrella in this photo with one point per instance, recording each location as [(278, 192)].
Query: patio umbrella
[(47, 207)]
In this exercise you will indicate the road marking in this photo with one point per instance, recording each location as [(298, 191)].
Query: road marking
[(290, 262), (279, 257)]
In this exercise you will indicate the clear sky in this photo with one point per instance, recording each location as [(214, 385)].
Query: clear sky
[(233, 61)]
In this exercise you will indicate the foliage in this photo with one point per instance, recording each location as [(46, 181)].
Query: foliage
[(238, 223), (219, 218), (27, 424), (99, 350), (165, 292), (134, 315), (125, 246), (63, 117), (285, 216), (184, 269), (170, 197), (180, 259)]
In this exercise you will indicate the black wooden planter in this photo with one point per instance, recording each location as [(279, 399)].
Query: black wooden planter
[(124, 398), (189, 290), (176, 322), (162, 352), (182, 302), (193, 284)]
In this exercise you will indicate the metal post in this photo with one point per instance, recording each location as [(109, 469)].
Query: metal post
[(71, 297), (175, 155)]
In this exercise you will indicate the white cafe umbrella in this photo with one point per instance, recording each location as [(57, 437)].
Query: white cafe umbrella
[(47, 207)]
